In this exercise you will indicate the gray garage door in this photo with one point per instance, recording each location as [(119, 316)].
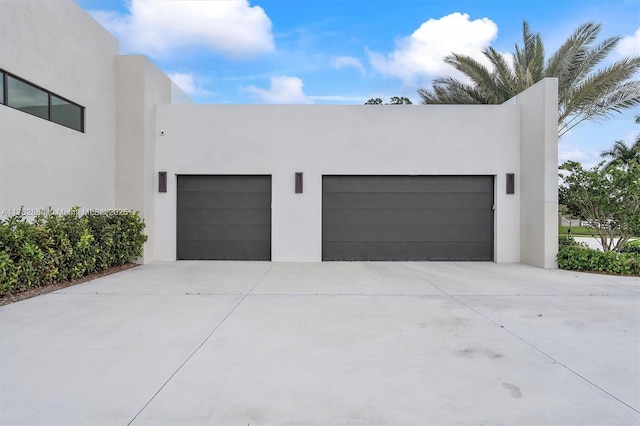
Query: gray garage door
[(224, 217), (407, 218)]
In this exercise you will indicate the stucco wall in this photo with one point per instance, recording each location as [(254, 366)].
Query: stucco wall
[(539, 177), (141, 86), (317, 140), (57, 46), (133, 132)]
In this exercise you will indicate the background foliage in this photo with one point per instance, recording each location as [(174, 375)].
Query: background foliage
[(607, 197), (578, 258), (57, 248)]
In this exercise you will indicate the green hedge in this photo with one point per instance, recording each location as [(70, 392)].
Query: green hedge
[(632, 247), (579, 258), (56, 248)]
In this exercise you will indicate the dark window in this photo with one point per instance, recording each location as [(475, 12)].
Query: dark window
[(29, 98), (66, 113)]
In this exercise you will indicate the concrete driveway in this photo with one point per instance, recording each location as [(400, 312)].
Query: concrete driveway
[(248, 343)]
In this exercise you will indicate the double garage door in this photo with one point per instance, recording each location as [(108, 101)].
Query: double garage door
[(363, 217), (407, 218)]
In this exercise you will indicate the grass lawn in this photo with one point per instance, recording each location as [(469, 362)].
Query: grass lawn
[(582, 231), (577, 231)]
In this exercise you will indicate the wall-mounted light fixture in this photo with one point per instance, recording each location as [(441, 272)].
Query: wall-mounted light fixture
[(162, 181), (511, 183), (298, 182)]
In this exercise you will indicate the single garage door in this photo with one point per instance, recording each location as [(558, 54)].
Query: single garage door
[(407, 218), (224, 217)]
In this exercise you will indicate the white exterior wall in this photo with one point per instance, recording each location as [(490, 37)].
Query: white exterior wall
[(323, 140), (539, 180), (56, 45), (141, 86)]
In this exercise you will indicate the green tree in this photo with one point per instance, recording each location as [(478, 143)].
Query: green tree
[(395, 100), (607, 197), (585, 93), (621, 153), (374, 101), (400, 100)]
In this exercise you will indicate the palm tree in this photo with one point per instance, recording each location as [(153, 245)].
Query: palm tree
[(621, 153), (584, 92)]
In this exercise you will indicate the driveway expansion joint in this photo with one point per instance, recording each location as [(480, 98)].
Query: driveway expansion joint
[(522, 339), (206, 339)]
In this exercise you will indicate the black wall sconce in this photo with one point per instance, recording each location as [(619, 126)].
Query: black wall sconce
[(298, 182), (511, 183), (162, 181)]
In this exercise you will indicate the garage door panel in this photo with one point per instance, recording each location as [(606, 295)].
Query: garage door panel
[(225, 232), (445, 217), (221, 183), (410, 251), (407, 218), (436, 233), (404, 200), (407, 184), (220, 200), (226, 216), (225, 250)]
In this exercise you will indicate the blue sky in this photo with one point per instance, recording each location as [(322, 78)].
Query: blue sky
[(347, 51)]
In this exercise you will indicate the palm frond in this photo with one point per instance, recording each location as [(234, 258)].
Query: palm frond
[(603, 90), (479, 74), (571, 49), (626, 95), (586, 91), (451, 91), (503, 73), (568, 61)]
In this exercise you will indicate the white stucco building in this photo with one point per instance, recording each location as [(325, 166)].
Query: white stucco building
[(82, 125)]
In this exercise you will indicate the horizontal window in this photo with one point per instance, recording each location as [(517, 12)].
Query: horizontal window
[(66, 113), (27, 98), (24, 96)]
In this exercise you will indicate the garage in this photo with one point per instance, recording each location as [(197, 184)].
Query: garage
[(407, 218), (224, 217)]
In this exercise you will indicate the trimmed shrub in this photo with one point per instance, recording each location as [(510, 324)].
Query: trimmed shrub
[(71, 243), (579, 258), (57, 248), (25, 258), (632, 247), (119, 237), (566, 241)]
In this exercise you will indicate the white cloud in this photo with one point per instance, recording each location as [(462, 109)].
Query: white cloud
[(630, 45), (421, 54), (586, 153), (157, 28), (348, 62), (571, 154), (283, 90), (187, 82)]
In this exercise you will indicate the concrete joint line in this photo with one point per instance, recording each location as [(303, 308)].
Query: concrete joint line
[(206, 339), (523, 340)]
